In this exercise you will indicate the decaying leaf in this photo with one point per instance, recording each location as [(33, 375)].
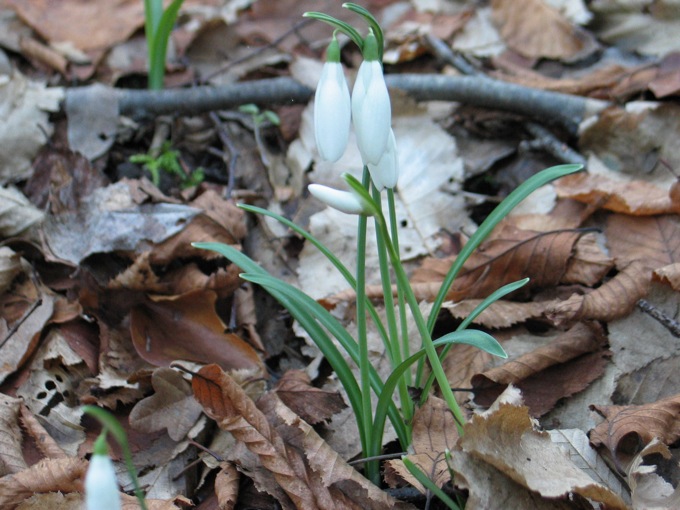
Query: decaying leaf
[(172, 406), (226, 486), (589, 263), (434, 432), (45, 443), (658, 379), (649, 490), (613, 300), (508, 440), (165, 329), (635, 197), (626, 429), (16, 213), (565, 366), (313, 405), (11, 458), (654, 242), (307, 469), (500, 314), (10, 267), (669, 274), (535, 29)]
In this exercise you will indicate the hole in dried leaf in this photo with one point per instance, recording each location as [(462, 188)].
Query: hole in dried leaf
[(50, 385), (41, 395)]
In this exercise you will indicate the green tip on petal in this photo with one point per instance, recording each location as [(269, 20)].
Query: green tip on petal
[(370, 49), (333, 51)]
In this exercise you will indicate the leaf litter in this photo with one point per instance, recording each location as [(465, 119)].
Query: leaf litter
[(104, 301)]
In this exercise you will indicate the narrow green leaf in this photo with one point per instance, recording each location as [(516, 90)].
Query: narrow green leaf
[(428, 483), (345, 28)]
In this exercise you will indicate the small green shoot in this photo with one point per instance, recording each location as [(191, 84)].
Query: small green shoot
[(168, 161)]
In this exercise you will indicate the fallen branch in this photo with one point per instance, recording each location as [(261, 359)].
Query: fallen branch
[(548, 107)]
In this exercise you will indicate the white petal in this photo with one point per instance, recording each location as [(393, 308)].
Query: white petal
[(101, 485), (343, 201), (332, 112), (386, 173), (371, 111)]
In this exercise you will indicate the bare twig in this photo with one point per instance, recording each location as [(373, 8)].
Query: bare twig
[(667, 322)]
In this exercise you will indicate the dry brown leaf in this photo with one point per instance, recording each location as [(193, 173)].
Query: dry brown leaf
[(246, 315), (560, 369), (627, 428), (16, 212), (434, 432), (635, 197), (500, 314), (11, 458), (172, 406), (507, 439), (226, 486), (613, 300), (313, 405), (654, 241), (306, 468), (669, 275), (649, 491), (589, 264), (45, 443), (187, 327), (10, 267), (535, 29), (49, 475)]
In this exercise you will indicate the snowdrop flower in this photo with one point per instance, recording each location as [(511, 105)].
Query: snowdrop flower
[(101, 485), (332, 110), (371, 109), (386, 173), (344, 201)]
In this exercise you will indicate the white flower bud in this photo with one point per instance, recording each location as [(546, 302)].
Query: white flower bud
[(344, 201), (386, 173), (371, 111), (101, 485)]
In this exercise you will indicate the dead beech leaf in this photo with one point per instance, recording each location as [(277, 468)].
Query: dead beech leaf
[(511, 255), (589, 263), (48, 475), (649, 490), (559, 369), (507, 439), (669, 275), (226, 486), (461, 363), (172, 406), (187, 327), (313, 405), (627, 428), (535, 29), (45, 443), (500, 314), (306, 468), (434, 431), (654, 241), (11, 458), (635, 197), (613, 300)]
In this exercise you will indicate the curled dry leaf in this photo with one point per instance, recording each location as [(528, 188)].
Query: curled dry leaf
[(626, 428), (172, 406), (45, 443), (49, 475), (226, 486), (638, 198), (589, 263), (535, 29), (669, 275), (654, 241), (434, 431), (313, 405), (11, 458), (649, 490), (613, 300), (507, 439), (16, 213), (560, 369), (165, 329)]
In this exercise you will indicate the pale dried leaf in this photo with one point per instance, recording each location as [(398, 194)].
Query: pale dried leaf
[(314, 405), (509, 441), (172, 406), (649, 490), (669, 274), (589, 263), (16, 213), (10, 266), (226, 486), (53, 501), (500, 314), (577, 445), (11, 458), (48, 475), (46, 444), (658, 379)]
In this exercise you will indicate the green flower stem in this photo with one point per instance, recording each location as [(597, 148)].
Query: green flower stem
[(343, 27), (428, 483), (430, 351), (110, 424), (372, 468), (337, 263), (372, 23), (393, 346)]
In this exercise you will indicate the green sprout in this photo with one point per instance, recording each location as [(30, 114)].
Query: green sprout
[(157, 26), (168, 161)]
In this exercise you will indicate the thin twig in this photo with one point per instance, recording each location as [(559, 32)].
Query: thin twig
[(34, 306), (667, 322)]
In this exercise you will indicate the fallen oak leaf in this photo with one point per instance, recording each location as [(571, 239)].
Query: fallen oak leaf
[(172, 406)]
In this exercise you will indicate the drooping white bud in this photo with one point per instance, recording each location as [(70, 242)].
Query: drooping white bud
[(344, 201), (386, 173)]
